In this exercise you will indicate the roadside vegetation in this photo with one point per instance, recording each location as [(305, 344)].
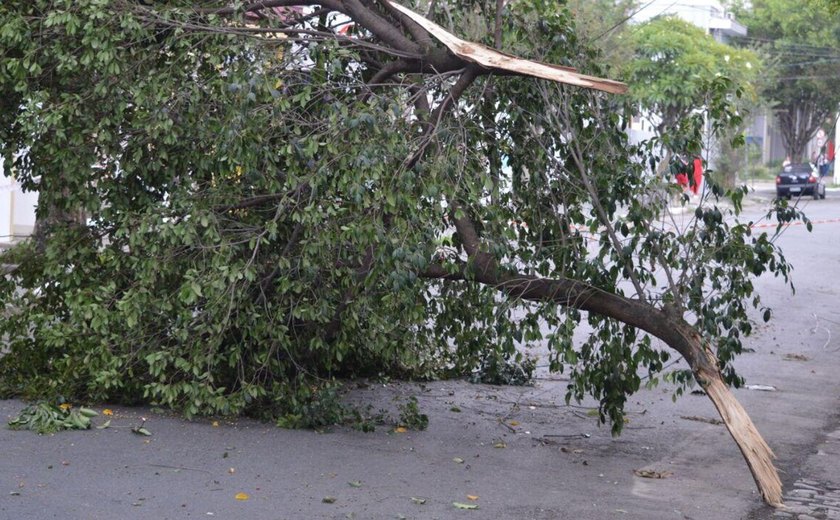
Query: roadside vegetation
[(242, 206)]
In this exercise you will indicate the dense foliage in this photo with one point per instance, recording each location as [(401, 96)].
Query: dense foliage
[(800, 44), (236, 209), (673, 65)]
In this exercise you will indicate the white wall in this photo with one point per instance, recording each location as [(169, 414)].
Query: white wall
[(6, 186), (17, 209)]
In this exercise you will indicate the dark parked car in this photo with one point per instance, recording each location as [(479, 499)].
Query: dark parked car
[(797, 180)]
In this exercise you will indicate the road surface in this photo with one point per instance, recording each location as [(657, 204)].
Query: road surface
[(516, 453)]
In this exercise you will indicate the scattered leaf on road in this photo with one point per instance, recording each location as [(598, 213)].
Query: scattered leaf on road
[(355, 483), (215, 424), (500, 445), (514, 423), (104, 425), (141, 431), (108, 412), (701, 419), (649, 473), (472, 497), (400, 429), (455, 409), (419, 501), (795, 357), (329, 500), (459, 505), (242, 496), (458, 460)]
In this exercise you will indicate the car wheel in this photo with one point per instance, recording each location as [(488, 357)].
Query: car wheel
[(816, 193)]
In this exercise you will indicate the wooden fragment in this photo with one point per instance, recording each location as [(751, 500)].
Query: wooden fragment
[(493, 59), (753, 447)]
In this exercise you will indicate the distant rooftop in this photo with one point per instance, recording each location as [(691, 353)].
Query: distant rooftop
[(709, 15)]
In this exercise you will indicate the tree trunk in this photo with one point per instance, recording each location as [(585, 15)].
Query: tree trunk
[(665, 324), (798, 123)]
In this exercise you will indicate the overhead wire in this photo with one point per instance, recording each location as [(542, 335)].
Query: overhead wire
[(628, 18)]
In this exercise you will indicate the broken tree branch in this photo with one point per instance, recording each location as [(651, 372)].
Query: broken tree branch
[(492, 59)]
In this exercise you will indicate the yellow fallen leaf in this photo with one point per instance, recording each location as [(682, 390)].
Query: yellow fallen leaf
[(500, 445), (514, 423), (400, 429), (65, 406), (215, 424), (242, 496), (107, 411), (472, 497)]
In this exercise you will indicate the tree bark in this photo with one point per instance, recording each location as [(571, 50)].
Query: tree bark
[(666, 324)]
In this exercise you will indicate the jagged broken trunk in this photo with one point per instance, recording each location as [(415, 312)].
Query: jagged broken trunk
[(665, 324)]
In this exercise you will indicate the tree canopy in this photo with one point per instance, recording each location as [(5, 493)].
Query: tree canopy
[(603, 24), (800, 42), (673, 65), (241, 203)]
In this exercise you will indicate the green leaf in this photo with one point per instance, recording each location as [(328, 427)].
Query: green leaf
[(87, 412)]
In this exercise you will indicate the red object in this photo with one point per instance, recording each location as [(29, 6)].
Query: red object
[(682, 180), (829, 150), (698, 176)]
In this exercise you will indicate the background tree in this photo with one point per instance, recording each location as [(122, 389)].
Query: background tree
[(604, 24), (268, 191), (802, 80), (673, 65)]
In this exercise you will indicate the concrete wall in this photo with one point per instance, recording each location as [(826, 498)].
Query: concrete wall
[(17, 209)]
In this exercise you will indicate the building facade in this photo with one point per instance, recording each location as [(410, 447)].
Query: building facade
[(17, 208)]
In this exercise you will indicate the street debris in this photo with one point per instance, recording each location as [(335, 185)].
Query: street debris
[(761, 388), (796, 357), (459, 505), (649, 473), (697, 418)]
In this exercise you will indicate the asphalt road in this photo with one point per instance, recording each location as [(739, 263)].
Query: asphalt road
[(516, 453)]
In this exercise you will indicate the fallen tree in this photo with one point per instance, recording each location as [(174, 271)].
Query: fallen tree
[(289, 191)]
